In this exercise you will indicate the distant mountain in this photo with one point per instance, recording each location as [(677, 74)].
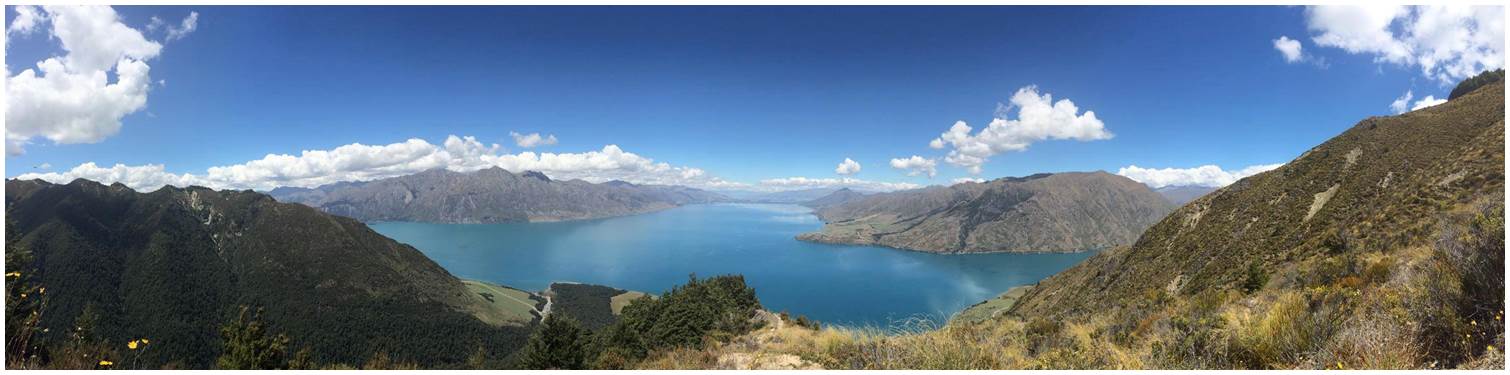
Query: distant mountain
[(176, 264), (490, 195), (837, 197), (1040, 213), (1179, 195), (789, 196)]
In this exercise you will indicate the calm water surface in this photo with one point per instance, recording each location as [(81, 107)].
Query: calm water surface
[(850, 285)]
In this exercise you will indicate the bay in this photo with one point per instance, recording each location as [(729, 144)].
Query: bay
[(835, 284)]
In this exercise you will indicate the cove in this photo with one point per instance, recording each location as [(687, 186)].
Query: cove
[(835, 284)]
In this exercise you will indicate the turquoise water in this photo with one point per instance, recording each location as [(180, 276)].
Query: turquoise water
[(836, 284)]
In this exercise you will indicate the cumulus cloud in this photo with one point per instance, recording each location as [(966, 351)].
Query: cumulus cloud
[(1448, 43), (1039, 118), (188, 25), (142, 177), (794, 183), (1427, 102), (359, 162), (847, 167), (916, 165), (26, 21), (1403, 102), (70, 99), (532, 140), (1205, 175), (1289, 48), (962, 180)]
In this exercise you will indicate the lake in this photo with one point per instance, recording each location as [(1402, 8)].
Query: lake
[(836, 284)]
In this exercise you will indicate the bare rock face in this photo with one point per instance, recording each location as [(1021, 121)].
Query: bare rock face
[(490, 195), (1061, 212)]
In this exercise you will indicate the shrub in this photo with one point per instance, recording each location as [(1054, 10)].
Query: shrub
[(248, 346), (1255, 278), (1296, 326), (687, 316), (559, 344)]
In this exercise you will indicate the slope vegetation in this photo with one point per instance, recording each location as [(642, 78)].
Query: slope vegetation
[(174, 265)]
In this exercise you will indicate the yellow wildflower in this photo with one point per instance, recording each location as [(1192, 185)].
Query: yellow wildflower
[(106, 363), (144, 341), (1339, 365), (131, 345), (1490, 347), (12, 274)]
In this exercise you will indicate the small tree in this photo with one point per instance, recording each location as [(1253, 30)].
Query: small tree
[(559, 344), (248, 346), (1256, 278)]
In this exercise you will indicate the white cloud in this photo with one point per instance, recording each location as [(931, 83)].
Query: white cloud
[(795, 183), (532, 140), (43, 166), (183, 29), (155, 23), (142, 178), (916, 165), (936, 143), (359, 162), (847, 167), (1038, 118), (1427, 102), (1448, 43), (72, 99), (962, 180), (26, 21), (1290, 48), (1400, 104), (1205, 175)]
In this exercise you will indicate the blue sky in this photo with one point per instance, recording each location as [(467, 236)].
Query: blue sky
[(742, 94)]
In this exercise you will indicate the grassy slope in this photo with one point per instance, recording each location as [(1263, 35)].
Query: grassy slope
[(618, 302), (503, 305), (991, 308)]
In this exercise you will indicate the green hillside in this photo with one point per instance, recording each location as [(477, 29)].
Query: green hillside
[(175, 265)]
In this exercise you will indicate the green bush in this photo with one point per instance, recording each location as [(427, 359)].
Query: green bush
[(1477, 81), (1255, 279), (559, 344), (682, 317), (248, 346)]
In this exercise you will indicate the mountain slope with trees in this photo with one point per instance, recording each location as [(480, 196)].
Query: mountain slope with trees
[(174, 265)]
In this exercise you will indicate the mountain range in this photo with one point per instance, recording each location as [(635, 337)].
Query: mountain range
[(490, 195), (1060, 212)]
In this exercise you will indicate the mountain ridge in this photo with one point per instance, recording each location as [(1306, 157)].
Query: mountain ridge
[(1060, 212), (491, 195), (174, 264)]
